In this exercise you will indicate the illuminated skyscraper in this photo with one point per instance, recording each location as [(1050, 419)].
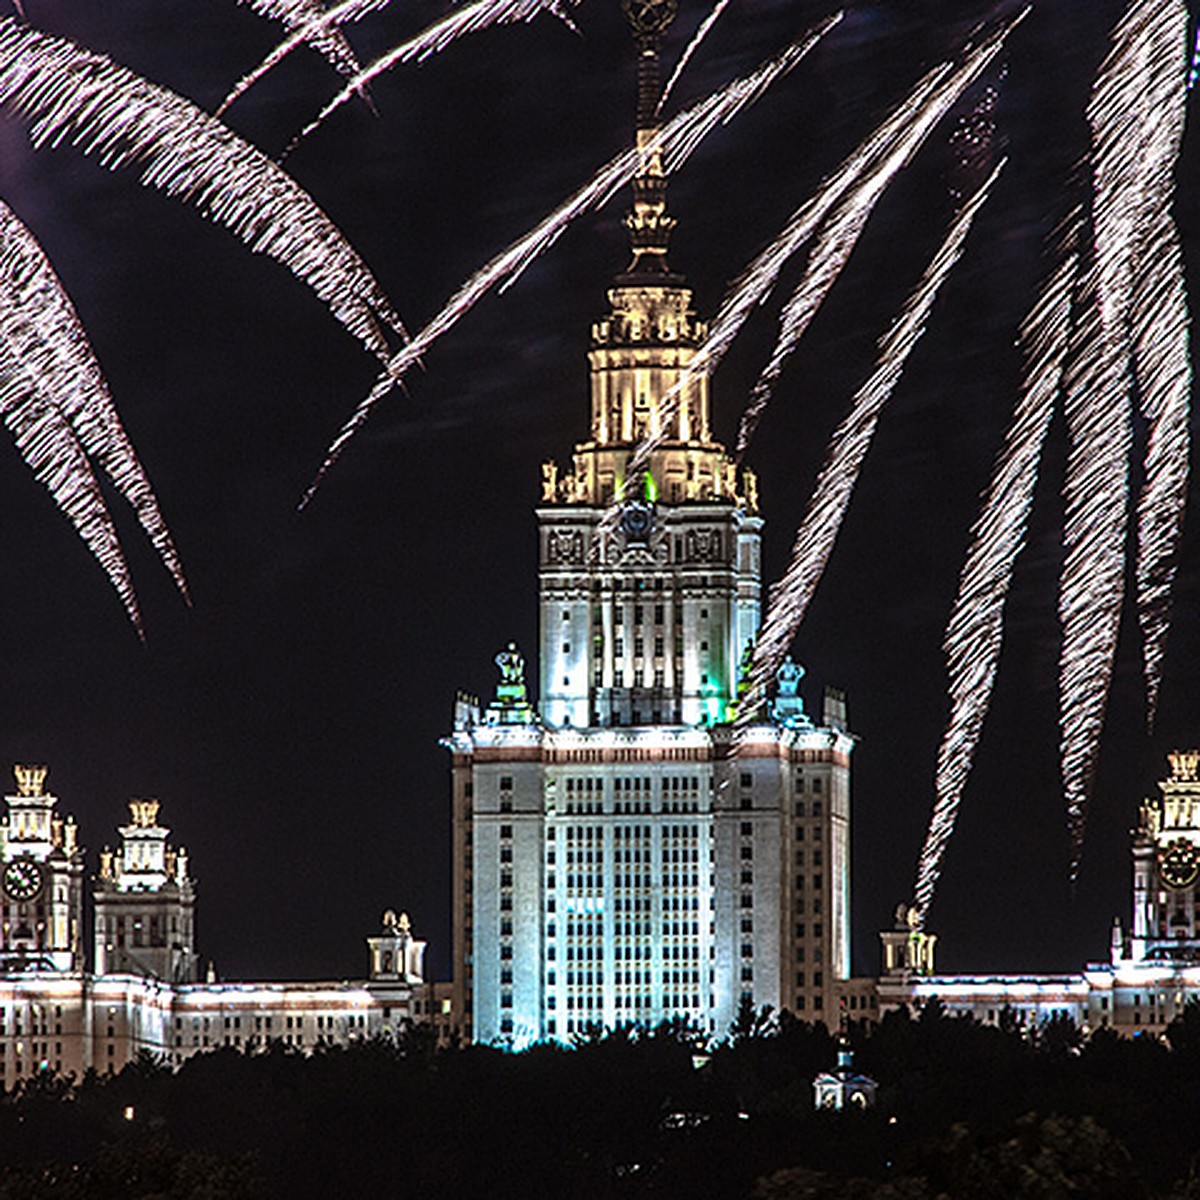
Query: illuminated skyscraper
[(615, 860)]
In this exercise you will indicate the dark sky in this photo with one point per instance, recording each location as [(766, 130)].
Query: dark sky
[(289, 721)]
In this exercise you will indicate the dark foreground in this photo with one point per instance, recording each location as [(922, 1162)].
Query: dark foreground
[(964, 1111)]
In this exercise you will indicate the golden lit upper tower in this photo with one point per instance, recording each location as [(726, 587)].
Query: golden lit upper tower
[(648, 623), (642, 347)]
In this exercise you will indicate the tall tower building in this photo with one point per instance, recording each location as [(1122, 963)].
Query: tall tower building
[(617, 857), (41, 878), (145, 903)]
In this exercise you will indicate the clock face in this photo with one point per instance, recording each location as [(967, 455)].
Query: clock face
[(636, 521), (1179, 864), (22, 879)]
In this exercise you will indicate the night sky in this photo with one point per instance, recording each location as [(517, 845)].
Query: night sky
[(289, 720)]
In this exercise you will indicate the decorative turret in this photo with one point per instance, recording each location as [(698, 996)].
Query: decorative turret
[(145, 903), (395, 953), (907, 948)]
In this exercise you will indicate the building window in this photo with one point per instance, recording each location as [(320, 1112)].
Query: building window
[(506, 831), (506, 783)]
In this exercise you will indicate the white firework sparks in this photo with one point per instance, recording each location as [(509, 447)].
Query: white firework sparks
[(1136, 119), (314, 30), (471, 18), (675, 142), (690, 49), (818, 531), (308, 18), (42, 333), (839, 235), (55, 402), (1159, 338), (911, 121), (71, 94), (1091, 588), (976, 628)]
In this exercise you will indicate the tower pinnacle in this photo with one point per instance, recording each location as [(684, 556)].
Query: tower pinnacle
[(648, 221)]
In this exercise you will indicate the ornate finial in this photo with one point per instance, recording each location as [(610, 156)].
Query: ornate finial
[(549, 481), (390, 921), (404, 925), (1184, 765), (144, 813), (648, 18), (30, 780), (648, 222)]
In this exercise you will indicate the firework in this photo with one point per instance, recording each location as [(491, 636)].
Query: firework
[(818, 531), (690, 49), (308, 17), (975, 631), (471, 18), (71, 94), (675, 142)]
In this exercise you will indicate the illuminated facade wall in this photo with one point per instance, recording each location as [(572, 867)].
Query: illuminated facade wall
[(614, 876), (143, 995)]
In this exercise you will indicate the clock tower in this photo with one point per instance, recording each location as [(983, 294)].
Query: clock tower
[(647, 623), (41, 881), (1166, 868)]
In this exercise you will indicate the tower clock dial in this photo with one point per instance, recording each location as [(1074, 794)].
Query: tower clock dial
[(22, 879), (1179, 864), (637, 520)]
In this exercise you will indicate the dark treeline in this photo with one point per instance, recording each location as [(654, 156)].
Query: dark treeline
[(964, 1111)]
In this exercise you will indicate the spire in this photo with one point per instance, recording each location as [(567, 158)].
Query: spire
[(648, 221)]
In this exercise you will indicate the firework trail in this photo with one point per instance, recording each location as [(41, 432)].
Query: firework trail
[(689, 50), (55, 366), (836, 242), (20, 8), (52, 399), (469, 19), (818, 531), (1194, 69), (1159, 335), (47, 443), (308, 17), (1136, 120), (975, 630), (929, 99), (70, 94), (1091, 587), (1162, 365), (318, 26), (675, 141)]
